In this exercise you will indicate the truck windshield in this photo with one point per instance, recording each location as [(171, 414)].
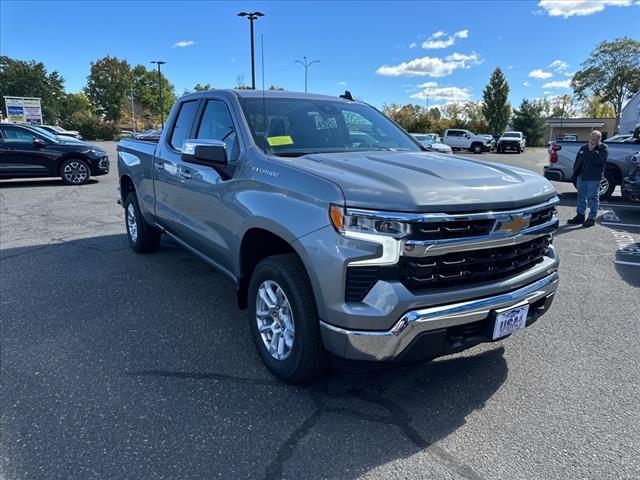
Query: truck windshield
[(511, 135), (298, 126)]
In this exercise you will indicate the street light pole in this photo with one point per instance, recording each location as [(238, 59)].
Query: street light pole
[(306, 65), (252, 16), (160, 62)]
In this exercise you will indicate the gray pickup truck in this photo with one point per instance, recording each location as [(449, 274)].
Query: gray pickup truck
[(341, 233), (562, 156)]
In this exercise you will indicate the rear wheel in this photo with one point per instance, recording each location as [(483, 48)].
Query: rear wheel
[(75, 171), (143, 238), (607, 186), (284, 321)]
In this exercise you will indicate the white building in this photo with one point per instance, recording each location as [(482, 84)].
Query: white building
[(630, 115)]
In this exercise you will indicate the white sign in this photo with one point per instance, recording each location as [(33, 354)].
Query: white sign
[(24, 109)]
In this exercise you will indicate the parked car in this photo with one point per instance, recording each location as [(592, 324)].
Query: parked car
[(62, 138), (27, 152), (56, 130), (569, 138), (152, 134), (459, 139), (428, 142), (631, 183), (335, 247), (619, 138), (511, 141), (562, 156), (490, 137)]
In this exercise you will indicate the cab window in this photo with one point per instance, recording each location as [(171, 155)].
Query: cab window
[(183, 124), (217, 124), (17, 135)]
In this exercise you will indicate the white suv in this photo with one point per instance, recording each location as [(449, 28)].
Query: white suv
[(465, 140), (511, 141)]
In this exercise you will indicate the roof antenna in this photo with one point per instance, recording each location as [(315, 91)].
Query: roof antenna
[(347, 96)]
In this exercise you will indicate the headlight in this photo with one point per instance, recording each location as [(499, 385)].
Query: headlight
[(97, 152), (369, 227)]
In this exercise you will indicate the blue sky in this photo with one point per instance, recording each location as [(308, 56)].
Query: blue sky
[(382, 52)]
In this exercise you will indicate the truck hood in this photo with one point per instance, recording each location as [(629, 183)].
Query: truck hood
[(426, 182)]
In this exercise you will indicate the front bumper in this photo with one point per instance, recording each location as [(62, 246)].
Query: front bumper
[(439, 330), (100, 166), (509, 146), (631, 189)]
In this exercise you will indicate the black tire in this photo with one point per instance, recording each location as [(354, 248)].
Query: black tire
[(611, 185), (476, 148), (307, 358), (75, 171), (146, 238)]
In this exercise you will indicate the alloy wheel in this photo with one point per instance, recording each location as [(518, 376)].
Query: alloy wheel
[(75, 172), (131, 223), (274, 319), (603, 187)]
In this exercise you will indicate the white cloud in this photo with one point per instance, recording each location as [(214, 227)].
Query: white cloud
[(558, 84), (526, 84), (540, 74), (559, 66), (432, 91), (546, 92), (430, 66), (569, 8), (413, 45), (184, 43), (434, 44), (342, 83), (509, 67)]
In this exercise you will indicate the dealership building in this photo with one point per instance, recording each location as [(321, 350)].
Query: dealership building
[(581, 127)]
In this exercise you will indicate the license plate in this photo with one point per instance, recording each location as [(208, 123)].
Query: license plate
[(510, 321)]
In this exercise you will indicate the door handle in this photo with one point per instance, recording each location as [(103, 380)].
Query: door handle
[(185, 175), (158, 165)]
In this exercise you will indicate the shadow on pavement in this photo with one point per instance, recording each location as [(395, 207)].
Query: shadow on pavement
[(629, 273), (53, 182), (117, 365)]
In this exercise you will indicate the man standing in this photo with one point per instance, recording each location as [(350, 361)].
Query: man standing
[(588, 170)]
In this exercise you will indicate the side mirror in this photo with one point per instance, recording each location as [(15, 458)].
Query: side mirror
[(210, 153), (38, 142), (467, 135)]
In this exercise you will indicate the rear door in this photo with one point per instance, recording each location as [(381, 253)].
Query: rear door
[(166, 163), (207, 222), (454, 138), (19, 155)]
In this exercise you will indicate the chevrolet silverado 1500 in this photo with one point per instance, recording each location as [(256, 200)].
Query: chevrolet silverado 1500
[(340, 232)]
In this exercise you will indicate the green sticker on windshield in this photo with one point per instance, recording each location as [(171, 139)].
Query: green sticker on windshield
[(278, 141)]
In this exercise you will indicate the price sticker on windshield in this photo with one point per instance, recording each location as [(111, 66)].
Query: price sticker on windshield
[(279, 141)]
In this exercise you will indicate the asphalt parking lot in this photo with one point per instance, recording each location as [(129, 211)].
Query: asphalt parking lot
[(117, 365)]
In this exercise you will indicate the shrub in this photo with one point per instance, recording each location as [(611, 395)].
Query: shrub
[(91, 127)]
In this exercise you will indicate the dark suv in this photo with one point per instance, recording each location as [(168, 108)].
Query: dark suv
[(29, 152)]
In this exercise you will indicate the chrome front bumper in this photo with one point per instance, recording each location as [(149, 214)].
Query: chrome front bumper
[(390, 344)]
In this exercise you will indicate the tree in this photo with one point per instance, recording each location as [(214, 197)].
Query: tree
[(472, 113), (594, 107), (559, 106), (275, 87), (240, 85), (495, 104), (75, 103), (19, 78), (201, 88), (612, 72), (107, 86), (145, 91), (528, 119)]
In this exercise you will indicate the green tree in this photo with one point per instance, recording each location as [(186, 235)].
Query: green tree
[(612, 72), (528, 118), (75, 103), (201, 88), (275, 87), (559, 106), (473, 115), (495, 104), (19, 78), (107, 86), (146, 94), (594, 107)]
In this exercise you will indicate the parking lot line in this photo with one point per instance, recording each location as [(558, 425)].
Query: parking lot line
[(618, 205), (621, 224), (621, 262)]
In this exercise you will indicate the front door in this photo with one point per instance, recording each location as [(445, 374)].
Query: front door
[(20, 155), (207, 222)]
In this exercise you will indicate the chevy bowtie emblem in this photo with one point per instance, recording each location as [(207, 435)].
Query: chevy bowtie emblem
[(515, 225)]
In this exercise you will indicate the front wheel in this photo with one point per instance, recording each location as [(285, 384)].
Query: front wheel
[(143, 238), (476, 148), (284, 321), (75, 172)]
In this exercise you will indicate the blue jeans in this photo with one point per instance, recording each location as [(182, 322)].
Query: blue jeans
[(588, 193)]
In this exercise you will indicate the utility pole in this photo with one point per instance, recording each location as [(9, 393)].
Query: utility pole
[(252, 16), (133, 109), (306, 65), (160, 62)]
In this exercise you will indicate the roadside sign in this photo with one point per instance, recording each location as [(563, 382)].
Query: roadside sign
[(24, 110)]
